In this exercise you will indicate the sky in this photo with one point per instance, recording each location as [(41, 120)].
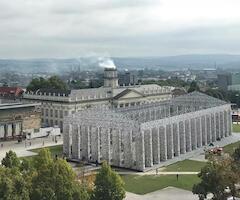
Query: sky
[(124, 28)]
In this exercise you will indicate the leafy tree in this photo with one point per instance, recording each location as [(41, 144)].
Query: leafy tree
[(55, 180), (108, 185), (218, 175), (236, 155), (211, 182), (53, 82), (13, 186), (193, 87), (11, 160), (39, 179)]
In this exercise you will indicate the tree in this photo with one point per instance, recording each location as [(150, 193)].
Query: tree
[(13, 186), (236, 155), (108, 185), (193, 87), (40, 179), (211, 182), (55, 180), (53, 82), (11, 160), (219, 177)]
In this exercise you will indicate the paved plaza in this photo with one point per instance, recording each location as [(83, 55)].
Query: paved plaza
[(169, 193), (22, 148)]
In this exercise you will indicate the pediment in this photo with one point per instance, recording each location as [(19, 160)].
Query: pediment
[(128, 94)]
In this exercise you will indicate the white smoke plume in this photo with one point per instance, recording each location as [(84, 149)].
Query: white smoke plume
[(106, 63)]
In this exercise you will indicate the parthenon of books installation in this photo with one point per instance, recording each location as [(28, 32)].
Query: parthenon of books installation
[(145, 136)]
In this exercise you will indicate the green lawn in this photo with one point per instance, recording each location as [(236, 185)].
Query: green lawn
[(185, 166), (231, 147), (236, 128), (145, 184), (55, 150)]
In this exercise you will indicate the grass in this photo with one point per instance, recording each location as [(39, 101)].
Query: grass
[(145, 184), (231, 147), (236, 128), (185, 166), (55, 150)]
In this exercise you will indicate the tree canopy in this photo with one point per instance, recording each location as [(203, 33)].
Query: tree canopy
[(42, 178), (193, 87), (108, 185), (219, 177), (53, 82)]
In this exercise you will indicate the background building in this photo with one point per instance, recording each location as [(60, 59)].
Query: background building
[(127, 78), (224, 80), (145, 136), (57, 104), (17, 119)]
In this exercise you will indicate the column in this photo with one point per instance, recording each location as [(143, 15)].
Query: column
[(182, 137), (75, 142), (1, 131), (155, 145), (188, 135), (221, 124), (85, 130), (106, 144), (17, 129), (230, 121), (140, 151), (225, 124), (217, 119), (116, 140), (95, 145), (170, 150), (67, 139), (193, 133), (204, 129), (14, 129), (199, 132), (213, 127), (128, 149), (163, 143), (176, 139), (148, 148), (209, 128)]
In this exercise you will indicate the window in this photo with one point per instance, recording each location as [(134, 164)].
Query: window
[(51, 113), (56, 113), (66, 113), (46, 112), (61, 114)]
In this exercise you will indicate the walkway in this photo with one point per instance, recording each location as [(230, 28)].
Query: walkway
[(22, 148), (169, 193)]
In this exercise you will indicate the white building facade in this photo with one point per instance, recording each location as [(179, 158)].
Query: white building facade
[(55, 105), (145, 136)]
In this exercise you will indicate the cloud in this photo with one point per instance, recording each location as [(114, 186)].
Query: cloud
[(69, 28)]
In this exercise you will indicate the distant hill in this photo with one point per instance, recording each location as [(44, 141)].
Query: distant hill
[(165, 63)]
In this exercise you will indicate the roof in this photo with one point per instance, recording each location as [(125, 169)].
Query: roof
[(17, 105), (53, 91), (102, 92), (130, 116), (11, 90)]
